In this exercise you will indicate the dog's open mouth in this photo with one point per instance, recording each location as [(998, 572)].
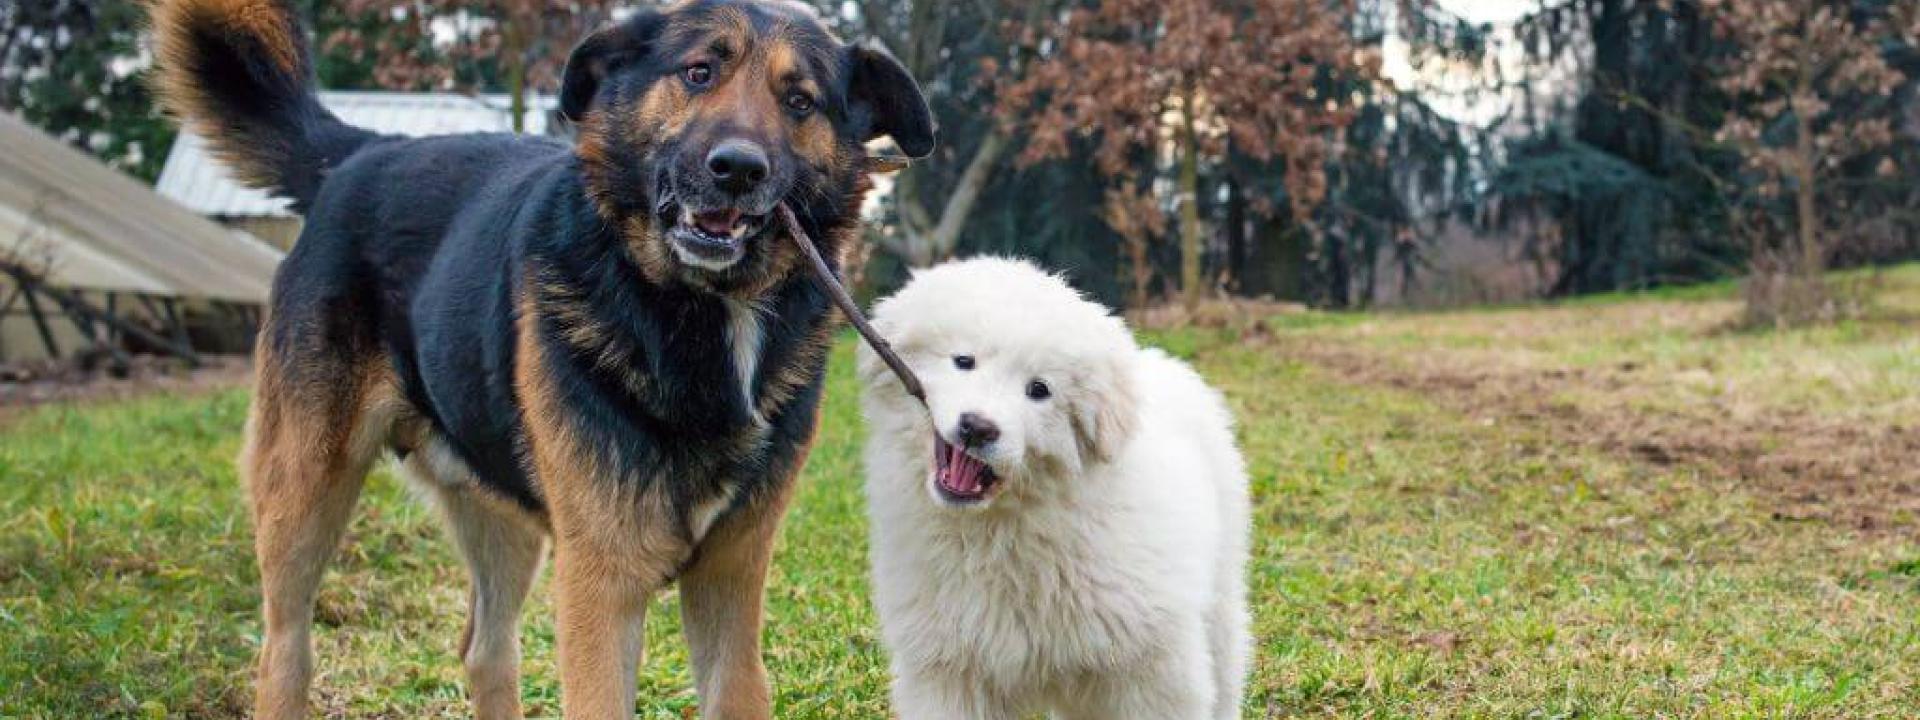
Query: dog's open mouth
[(959, 477), (713, 239)]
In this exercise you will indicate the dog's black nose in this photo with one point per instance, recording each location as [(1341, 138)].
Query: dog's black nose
[(976, 431), (738, 166)]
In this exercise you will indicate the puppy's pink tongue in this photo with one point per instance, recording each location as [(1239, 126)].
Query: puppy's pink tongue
[(959, 472)]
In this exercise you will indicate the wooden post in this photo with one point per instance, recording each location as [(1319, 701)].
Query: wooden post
[(87, 321), (79, 309), (39, 318), (113, 309), (177, 322)]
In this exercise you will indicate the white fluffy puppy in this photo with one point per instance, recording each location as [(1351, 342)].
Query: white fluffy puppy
[(1068, 533)]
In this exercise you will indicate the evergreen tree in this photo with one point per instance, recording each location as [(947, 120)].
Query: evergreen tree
[(75, 68), (1647, 177), (1195, 77)]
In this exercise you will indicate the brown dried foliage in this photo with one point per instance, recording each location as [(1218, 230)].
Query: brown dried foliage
[(1124, 69), (536, 33), (1817, 65), (1800, 58)]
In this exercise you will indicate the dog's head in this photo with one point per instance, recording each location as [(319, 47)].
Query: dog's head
[(697, 119), (1029, 382)]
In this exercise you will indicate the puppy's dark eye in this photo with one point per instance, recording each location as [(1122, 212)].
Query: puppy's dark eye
[(964, 362), (799, 104), (698, 74), (1037, 390)]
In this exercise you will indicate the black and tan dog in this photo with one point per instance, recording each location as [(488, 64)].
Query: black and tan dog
[(607, 343)]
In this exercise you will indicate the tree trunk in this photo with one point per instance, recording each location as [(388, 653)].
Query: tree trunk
[(1813, 257), (1236, 238), (1141, 270), (916, 227), (1190, 229), (515, 54), (1339, 276), (973, 180), (926, 240), (517, 85)]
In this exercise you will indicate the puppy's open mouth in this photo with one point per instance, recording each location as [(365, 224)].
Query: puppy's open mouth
[(713, 239), (960, 478)]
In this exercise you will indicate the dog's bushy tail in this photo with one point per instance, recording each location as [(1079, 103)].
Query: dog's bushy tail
[(240, 74)]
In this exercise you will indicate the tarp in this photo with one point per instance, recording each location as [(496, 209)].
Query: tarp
[(197, 180), (91, 227)]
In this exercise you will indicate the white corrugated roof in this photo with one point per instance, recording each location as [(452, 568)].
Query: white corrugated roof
[(193, 177), (91, 227)]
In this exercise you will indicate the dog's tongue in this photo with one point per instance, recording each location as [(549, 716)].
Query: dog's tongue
[(718, 223), (958, 472)]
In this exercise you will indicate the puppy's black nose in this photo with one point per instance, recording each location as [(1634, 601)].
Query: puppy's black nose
[(976, 431), (738, 166)]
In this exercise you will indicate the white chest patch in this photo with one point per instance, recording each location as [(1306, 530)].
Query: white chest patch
[(701, 517), (438, 463), (745, 336)]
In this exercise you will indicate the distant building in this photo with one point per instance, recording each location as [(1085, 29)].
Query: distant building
[(195, 179), (94, 261)]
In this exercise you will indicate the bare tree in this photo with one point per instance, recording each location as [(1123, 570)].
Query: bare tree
[(1798, 82), (928, 36), (1199, 77), (529, 39)]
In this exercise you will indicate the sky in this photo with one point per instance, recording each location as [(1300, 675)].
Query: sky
[(1435, 82), (1492, 11)]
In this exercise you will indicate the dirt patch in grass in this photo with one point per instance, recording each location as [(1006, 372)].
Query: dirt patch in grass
[(1851, 473), (1243, 314), (32, 384)]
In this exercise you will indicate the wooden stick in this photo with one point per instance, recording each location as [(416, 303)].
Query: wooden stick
[(887, 164), (823, 275)]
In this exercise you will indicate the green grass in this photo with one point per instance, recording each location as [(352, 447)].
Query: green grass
[(1408, 562)]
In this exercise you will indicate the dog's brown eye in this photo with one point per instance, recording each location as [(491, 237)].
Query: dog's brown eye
[(964, 362), (1037, 390), (799, 103), (698, 74)]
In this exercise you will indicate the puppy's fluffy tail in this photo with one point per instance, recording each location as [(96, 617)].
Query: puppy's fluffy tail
[(239, 73)]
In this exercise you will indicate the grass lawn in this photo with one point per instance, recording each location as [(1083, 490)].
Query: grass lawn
[(1425, 547)]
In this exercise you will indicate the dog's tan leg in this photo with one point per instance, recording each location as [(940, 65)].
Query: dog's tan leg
[(721, 596), (502, 546), (307, 450), (614, 544), (600, 628)]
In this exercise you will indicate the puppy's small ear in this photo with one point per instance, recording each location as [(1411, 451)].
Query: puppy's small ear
[(886, 101), (1107, 410), (599, 55)]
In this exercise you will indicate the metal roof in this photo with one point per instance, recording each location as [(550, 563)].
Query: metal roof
[(195, 179), (91, 227)]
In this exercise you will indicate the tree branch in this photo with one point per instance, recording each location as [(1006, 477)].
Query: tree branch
[(1700, 135), (926, 32), (897, 244), (960, 202), (913, 215), (872, 16)]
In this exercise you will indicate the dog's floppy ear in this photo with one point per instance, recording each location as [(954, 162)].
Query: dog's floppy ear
[(599, 55), (1106, 409), (884, 100), (868, 366)]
